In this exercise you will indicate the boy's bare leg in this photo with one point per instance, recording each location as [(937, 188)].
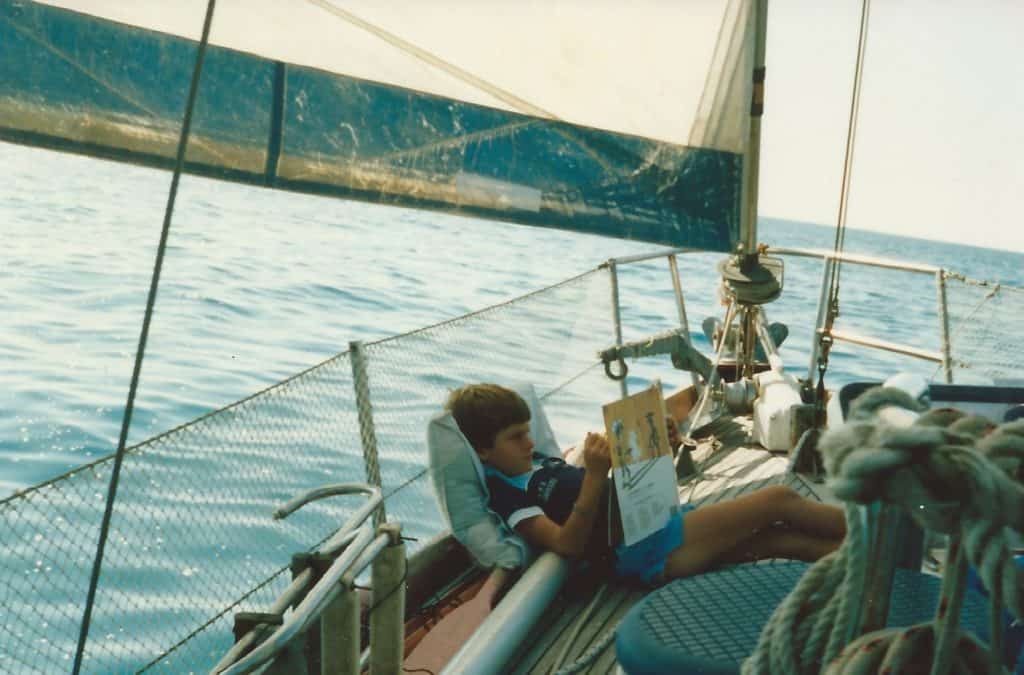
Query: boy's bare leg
[(814, 518), (780, 543), (714, 530)]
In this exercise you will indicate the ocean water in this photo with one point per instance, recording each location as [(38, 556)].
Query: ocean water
[(258, 285)]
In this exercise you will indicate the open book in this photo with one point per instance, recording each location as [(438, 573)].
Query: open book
[(642, 467)]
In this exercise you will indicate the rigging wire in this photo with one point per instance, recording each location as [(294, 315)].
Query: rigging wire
[(126, 421), (851, 135), (430, 58), (833, 269)]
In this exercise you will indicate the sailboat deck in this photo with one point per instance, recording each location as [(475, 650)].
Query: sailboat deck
[(730, 465)]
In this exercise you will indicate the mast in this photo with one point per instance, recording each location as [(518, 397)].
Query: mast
[(751, 166), (754, 280)]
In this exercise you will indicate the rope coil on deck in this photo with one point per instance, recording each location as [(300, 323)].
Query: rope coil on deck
[(957, 474)]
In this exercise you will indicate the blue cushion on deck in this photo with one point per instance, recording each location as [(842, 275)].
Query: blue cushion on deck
[(710, 623)]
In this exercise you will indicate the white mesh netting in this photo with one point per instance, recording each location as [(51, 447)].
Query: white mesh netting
[(986, 322), (192, 540)]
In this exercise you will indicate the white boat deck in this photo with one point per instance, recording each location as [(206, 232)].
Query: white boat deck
[(730, 465)]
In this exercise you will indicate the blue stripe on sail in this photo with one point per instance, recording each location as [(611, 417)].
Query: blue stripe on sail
[(77, 83)]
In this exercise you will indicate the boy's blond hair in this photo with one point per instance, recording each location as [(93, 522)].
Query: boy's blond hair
[(483, 410)]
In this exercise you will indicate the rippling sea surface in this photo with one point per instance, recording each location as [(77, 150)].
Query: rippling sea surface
[(260, 285)]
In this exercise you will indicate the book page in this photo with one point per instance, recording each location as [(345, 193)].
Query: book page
[(642, 467)]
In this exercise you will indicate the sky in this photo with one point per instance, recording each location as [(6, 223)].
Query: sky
[(939, 149), (940, 141)]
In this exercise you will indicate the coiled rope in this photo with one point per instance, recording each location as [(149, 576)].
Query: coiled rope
[(957, 474)]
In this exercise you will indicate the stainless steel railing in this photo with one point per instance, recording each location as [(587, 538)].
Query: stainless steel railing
[(332, 600), (943, 356), (831, 258)]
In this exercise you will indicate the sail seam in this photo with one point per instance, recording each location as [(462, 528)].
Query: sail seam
[(274, 141)]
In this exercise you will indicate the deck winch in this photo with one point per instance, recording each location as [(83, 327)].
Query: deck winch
[(748, 282)]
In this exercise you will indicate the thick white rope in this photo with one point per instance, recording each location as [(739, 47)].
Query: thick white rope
[(932, 466), (954, 479), (824, 593)]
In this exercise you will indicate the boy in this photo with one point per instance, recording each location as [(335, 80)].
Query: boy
[(563, 508)]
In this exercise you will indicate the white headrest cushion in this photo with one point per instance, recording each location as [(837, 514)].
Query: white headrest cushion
[(457, 476)]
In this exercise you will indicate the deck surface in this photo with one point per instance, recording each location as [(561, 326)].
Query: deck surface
[(730, 465)]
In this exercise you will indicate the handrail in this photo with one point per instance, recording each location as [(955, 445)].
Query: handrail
[(344, 534), (684, 323), (830, 258), (496, 639), (296, 588), (853, 258), (857, 259), (303, 498), (641, 257), (360, 548), (895, 347), (365, 557), (308, 610), (613, 276), (367, 432)]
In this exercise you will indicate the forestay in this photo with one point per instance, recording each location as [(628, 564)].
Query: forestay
[(628, 121)]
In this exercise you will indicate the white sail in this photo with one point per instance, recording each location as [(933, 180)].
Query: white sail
[(626, 121), (637, 68)]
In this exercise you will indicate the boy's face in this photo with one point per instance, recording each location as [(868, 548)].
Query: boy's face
[(512, 453)]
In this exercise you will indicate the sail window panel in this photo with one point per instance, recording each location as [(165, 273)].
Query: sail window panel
[(377, 142), (111, 90), (75, 82), (362, 118)]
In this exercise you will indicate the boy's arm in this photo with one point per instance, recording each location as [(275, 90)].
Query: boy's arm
[(570, 538)]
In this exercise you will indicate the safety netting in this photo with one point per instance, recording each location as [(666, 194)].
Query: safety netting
[(192, 540), (986, 321)]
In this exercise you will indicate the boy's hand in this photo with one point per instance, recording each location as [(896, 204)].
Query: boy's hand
[(597, 454)]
